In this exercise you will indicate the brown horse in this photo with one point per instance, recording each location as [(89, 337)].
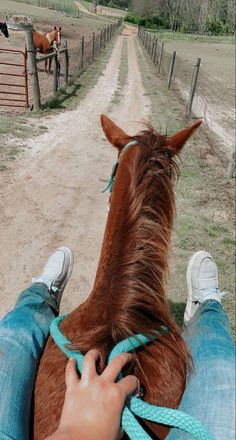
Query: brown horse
[(45, 43), (129, 293)]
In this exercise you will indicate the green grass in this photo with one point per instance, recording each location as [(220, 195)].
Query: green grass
[(204, 198), (66, 6), (123, 74), (170, 36), (14, 130)]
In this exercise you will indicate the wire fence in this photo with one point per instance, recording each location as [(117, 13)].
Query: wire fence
[(70, 63), (204, 97)]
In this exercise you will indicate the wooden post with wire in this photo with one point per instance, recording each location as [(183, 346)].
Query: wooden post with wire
[(82, 55), (160, 58), (66, 58), (93, 48), (55, 82), (33, 70), (155, 52), (193, 86), (231, 172), (171, 69)]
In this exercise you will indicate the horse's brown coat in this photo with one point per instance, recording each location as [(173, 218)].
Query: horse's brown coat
[(44, 42), (129, 294)]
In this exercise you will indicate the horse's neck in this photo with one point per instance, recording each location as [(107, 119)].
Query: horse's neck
[(49, 37)]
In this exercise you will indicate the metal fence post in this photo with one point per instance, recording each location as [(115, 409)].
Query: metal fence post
[(171, 69), (160, 57), (193, 86)]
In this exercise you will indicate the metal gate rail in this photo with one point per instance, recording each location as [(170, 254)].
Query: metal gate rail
[(24, 75)]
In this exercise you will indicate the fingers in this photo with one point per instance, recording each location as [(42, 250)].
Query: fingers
[(114, 368), (129, 385), (89, 365), (71, 377)]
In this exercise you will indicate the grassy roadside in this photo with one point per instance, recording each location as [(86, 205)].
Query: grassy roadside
[(204, 198), (122, 77), (177, 36)]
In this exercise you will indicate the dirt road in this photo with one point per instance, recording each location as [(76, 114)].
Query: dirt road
[(53, 196)]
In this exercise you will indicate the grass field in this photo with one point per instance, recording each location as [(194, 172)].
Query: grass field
[(205, 199)]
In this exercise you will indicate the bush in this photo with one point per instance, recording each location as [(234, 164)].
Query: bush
[(130, 18), (213, 26)]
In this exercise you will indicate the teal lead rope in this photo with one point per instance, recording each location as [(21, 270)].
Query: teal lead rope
[(111, 181), (135, 406)]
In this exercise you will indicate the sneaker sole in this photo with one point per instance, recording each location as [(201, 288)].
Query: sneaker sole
[(190, 306)]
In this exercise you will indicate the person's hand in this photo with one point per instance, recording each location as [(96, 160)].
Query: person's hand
[(93, 404)]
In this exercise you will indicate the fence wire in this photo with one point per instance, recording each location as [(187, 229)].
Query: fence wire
[(213, 100), (80, 57)]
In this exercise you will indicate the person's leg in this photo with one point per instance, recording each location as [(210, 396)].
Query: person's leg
[(23, 334), (210, 389)]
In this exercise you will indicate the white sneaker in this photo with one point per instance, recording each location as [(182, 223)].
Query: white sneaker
[(56, 272), (202, 281)]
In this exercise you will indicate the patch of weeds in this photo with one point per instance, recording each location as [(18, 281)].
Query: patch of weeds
[(43, 127), (123, 74), (3, 167), (229, 241)]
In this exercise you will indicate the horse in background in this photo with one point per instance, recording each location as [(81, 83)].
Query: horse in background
[(4, 29), (46, 43), (129, 292)]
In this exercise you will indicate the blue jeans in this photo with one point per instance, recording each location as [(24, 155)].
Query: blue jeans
[(23, 332), (210, 390)]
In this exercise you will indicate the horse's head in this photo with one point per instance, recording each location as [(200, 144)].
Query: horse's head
[(4, 29), (151, 154), (57, 35)]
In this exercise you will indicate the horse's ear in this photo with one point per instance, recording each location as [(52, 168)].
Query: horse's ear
[(177, 141), (115, 135), (55, 28), (60, 28)]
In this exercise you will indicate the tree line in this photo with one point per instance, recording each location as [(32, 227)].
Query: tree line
[(191, 16)]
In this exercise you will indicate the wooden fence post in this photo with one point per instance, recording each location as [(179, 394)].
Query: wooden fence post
[(66, 59), (82, 54), (160, 57), (155, 52), (33, 71), (193, 86), (232, 166), (100, 43), (171, 69), (93, 49), (54, 84)]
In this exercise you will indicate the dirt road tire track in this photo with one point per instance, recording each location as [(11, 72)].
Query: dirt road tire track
[(53, 197)]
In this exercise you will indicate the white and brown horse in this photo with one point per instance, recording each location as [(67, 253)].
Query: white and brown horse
[(46, 43)]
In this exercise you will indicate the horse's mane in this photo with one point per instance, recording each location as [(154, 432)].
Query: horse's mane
[(135, 296), (142, 268)]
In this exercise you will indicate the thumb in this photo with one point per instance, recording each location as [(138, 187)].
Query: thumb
[(71, 377)]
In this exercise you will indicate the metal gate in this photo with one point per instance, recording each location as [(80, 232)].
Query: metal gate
[(13, 78)]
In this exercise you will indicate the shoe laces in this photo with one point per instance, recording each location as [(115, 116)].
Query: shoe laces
[(213, 291)]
